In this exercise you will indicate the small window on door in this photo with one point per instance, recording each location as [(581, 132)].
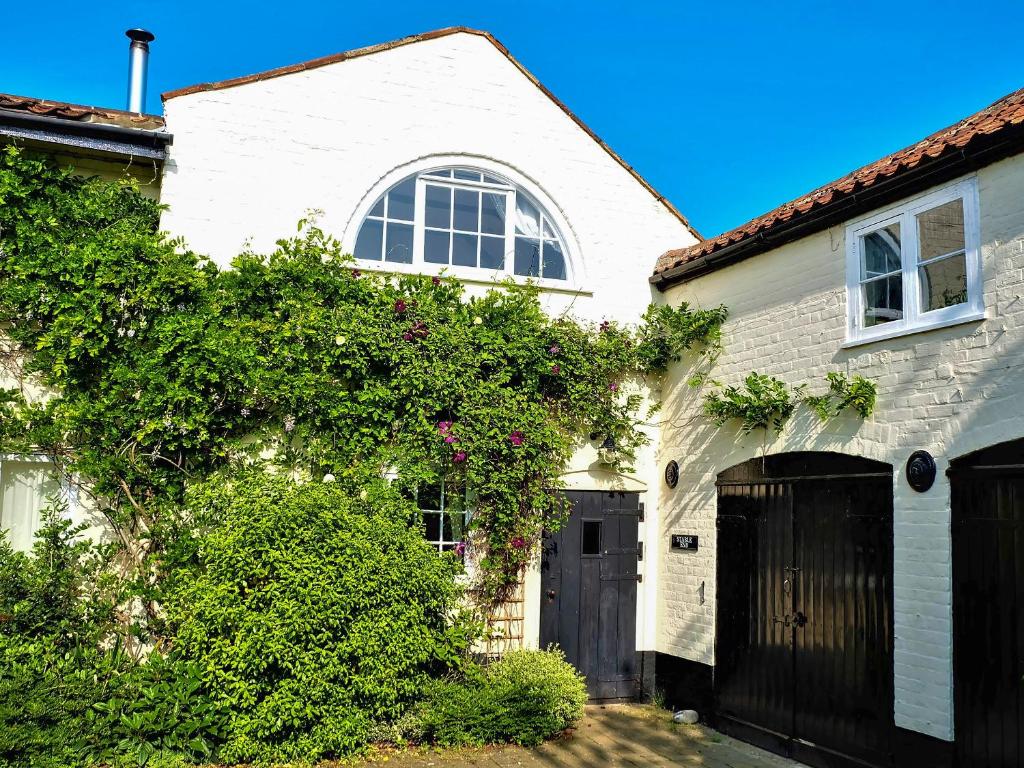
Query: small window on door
[(591, 537)]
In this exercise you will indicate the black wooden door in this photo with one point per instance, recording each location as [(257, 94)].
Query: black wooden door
[(588, 591), (803, 643), (988, 607)]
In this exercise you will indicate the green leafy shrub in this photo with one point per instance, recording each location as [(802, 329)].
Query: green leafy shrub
[(857, 394), (523, 698), (312, 613), (763, 402)]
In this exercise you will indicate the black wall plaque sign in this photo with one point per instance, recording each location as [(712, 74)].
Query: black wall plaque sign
[(920, 471), (685, 542), (671, 474)]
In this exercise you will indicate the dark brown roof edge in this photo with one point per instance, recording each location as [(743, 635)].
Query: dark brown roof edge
[(346, 55), (982, 150)]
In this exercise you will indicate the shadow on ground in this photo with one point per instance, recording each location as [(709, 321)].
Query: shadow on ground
[(609, 736)]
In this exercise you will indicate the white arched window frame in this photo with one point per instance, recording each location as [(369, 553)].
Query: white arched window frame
[(497, 181)]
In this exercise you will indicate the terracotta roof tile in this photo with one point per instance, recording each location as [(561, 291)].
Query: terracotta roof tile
[(80, 113), (1008, 111)]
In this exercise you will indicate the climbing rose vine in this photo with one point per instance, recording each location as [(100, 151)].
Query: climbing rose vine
[(163, 370)]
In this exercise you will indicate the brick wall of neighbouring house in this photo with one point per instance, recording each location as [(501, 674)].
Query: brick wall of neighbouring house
[(948, 391)]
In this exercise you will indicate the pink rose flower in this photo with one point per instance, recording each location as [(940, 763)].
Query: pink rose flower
[(516, 438), (459, 457), (400, 307), (556, 368)]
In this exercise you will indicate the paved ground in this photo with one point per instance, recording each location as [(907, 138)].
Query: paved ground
[(624, 735)]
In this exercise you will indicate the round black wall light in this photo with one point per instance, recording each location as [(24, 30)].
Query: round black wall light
[(920, 471), (671, 474)]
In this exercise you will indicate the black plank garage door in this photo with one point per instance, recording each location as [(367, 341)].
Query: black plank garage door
[(988, 596), (803, 645), (588, 591)]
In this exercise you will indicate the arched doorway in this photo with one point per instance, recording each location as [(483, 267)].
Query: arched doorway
[(988, 605), (803, 642)]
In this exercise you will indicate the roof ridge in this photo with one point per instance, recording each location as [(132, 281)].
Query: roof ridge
[(431, 35)]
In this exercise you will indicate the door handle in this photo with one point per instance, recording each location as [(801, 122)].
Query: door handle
[(799, 619), (551, 594)]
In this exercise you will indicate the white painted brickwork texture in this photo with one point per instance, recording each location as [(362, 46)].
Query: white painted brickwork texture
[(247, 163), (948, 391)]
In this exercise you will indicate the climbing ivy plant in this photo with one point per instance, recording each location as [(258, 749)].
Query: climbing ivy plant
[(164, 370), (858, 394)]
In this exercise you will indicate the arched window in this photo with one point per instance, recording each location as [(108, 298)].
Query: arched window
[(459, 218)]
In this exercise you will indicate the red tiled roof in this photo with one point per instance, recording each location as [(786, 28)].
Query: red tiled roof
[(346, 55), (80, 113), (979, 127)]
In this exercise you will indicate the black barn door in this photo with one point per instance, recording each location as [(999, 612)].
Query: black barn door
[(803, 647), (588, 591), (988, 606)]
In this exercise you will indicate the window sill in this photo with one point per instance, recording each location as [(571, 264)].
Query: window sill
[(973, 317), (472, 276)]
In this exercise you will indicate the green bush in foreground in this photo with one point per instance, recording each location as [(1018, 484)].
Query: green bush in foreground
[(523, 698), (313, 613)]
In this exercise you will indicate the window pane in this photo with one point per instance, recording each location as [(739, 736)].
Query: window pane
[(591, 537), (378, 207), (428, 497), (527, 217), (492, 252), (458, 525), (439, 207), (467, 210), (398, 247), (881, 251), (492, 180), (432, 526), (400, 200), (464, 250), (527, 257), (943, 283), (883, 300), (368, 243), (435, 246), (941, 230), (462, 173), (492, 219), (554, 261), (548, 231), (25, 491)]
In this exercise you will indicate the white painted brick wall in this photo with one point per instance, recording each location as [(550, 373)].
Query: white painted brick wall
[(248, 162), (948, 391)]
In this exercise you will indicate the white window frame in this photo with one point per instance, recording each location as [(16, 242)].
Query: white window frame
[(914, 320), (575, 276), (67, 487)]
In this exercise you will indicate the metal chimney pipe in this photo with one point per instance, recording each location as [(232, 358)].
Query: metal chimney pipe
[(138, 64)]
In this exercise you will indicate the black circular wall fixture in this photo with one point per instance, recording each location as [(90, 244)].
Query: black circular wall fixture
[(920, 471), (671, 474)]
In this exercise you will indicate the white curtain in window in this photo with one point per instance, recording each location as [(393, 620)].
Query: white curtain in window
[(25, 490)]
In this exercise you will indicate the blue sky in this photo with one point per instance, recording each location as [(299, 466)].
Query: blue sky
[(727, 108)]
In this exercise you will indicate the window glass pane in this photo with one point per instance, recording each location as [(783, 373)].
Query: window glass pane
[(428, 497), (591, 537), (457, 525), (554, 261), (462, 173), (492, 252), (527, 217), (492, 180), (467, 210), (378, 207), (548, 231), (492, 218), (881, 251), (464, 250), (941, 230), (527, 257), (435, 246), (445, 172), (883, 300), (368, 243), (25, 491), (400, 200), (439, 207), (398, 247), (943, 283), (432, 525)]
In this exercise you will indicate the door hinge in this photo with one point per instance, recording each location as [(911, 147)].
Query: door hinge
[(641, 517), (639, 551)]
